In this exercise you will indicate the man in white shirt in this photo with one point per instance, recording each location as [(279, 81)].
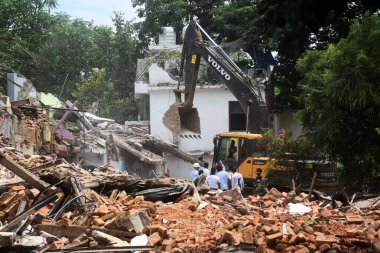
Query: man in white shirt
[(236, 179), (206, 171), (213, 180), (194, 172), (224, 178)]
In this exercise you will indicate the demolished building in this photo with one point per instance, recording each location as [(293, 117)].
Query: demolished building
[(83, 137), (50, 204), (55, 206)]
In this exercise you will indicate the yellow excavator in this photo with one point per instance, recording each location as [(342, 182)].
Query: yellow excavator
[(243, 148)]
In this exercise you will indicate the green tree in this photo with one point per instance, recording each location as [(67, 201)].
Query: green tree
[(160, 13), (341, 97), (97, 88), (292, 26), (125, 53), (289, 27), (72, 47), (101, 53), (27, 19), (65, 53), (291, 153), (157, 14), (22, 26), (235, 21)]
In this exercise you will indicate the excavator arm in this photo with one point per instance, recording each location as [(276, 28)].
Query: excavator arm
[(245, 90)]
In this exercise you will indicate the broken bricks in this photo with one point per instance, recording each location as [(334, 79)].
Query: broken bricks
[(202, 224)]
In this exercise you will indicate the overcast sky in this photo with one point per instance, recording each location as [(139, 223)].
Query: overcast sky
[(100, 11)]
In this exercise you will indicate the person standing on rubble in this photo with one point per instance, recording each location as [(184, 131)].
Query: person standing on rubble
[(230, 173), (200, 179), (224, 178), (111, 149), (236, 179), (206, 171), (194, 172), (201, 161), (213, 180)]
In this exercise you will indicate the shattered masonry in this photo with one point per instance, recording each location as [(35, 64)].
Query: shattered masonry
[(48, 203)]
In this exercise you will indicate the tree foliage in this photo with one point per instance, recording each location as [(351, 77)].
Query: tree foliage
[(27, 19), (341, 97), (235, 20), (175, 13), (66, 52), (289, 27), (284, 148), (56, 51), (293, 154), (96, 87), (124, 56), (22, 25), (72, 47)]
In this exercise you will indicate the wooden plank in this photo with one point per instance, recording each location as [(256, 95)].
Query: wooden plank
[(31, 179), (20, 102), (74, 231), (78, 193), (166, 147)]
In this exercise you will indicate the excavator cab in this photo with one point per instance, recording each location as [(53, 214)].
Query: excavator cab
[(242, 151)]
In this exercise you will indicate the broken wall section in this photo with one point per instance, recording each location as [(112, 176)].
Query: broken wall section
[(27, 128)]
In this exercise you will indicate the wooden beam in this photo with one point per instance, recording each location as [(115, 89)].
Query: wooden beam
[(81, 116), (20, 102), (13, 166), (166, 147), (74, 231), (144, 155)]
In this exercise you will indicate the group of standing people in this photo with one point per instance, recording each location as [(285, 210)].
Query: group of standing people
[(218, 178)]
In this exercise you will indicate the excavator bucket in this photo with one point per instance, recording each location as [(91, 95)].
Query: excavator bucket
[(183, 121)]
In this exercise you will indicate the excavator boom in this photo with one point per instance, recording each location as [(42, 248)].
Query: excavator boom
[(182, 117)]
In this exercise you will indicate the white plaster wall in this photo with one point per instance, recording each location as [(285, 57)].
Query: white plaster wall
[(181, 169), (141, 88), (158, 75), (14, 85), (212, 105)]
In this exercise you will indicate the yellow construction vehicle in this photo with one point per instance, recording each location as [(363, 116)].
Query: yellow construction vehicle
[(245, 152)]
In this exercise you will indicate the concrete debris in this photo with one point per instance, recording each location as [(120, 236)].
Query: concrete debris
[(299, 209), (31, 241), (105, 239), (49, 201), (7, 239), (134, 140), (140, 240), (117, 214), (83, 138)]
